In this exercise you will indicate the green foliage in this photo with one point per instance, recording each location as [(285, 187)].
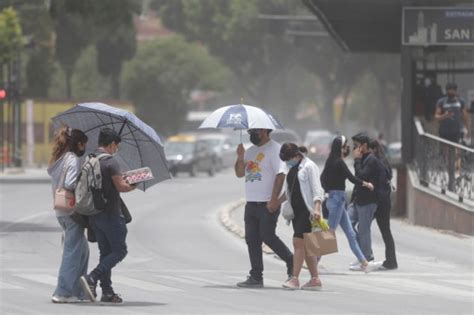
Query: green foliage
[(161, 76), (116, 40), (10, 35)]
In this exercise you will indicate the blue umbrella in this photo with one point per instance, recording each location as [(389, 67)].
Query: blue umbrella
[(140, 147)]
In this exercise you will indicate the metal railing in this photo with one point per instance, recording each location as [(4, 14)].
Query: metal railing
[(444, 166)]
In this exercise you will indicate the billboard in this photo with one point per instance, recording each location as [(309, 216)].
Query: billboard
[(429, 26)]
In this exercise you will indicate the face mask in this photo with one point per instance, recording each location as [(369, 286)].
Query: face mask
[(255, 138), (291, 163), (81, 153)]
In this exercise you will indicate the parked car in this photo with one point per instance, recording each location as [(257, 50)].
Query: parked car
[(318, 143), (223, 148), (285, 135), (188, 153), (394, 153)]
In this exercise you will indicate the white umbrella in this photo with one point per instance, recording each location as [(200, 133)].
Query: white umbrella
[(239, 117)]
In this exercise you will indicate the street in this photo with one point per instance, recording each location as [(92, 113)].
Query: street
[(181, 260)]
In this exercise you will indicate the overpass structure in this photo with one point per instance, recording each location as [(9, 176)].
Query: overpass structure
[(434, 39)]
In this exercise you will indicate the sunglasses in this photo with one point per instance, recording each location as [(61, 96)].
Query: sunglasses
[(250, 131)]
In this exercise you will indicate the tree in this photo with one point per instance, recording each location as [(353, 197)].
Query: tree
[(116, 40), (255, 51), (72, 28), (10, 35), (161, 76)]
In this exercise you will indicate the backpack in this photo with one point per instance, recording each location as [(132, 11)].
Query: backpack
[(89, 195)]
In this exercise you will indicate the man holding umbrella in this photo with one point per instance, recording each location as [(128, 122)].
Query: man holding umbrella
[(109, 225), (264, 174)]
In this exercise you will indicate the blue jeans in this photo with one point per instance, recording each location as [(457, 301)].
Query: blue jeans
[(111, 232), (74, 260), (336, 205), (361, 218)]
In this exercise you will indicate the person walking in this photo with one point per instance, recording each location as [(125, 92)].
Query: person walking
[(109, 225), (264, 174), (304, 194), (364, 199), (333, 179), (68, 145), (452, 115), (384, 204)]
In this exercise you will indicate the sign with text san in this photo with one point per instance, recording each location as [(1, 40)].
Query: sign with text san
[(429, 26)]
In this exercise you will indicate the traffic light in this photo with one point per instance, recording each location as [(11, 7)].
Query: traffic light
[(3, 94)]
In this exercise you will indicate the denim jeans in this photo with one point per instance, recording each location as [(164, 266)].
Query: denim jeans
[(361, 217), (260, 227), (336, 204), (74, 259), (111, 232)]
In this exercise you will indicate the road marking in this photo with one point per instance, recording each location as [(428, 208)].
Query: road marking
[(41, 278), (144, 285), (425, 288), (355, 284), (204, 280), (466, 283), (8, 286)]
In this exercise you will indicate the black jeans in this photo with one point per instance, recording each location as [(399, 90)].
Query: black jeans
[(382, 216), (260, 227)]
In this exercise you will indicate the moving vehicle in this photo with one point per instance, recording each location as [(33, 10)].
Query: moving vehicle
[(223, 147), (190, 154), (285, 135), (318, 143)]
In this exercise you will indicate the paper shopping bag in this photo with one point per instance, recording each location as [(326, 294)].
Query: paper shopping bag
[(320, 243)]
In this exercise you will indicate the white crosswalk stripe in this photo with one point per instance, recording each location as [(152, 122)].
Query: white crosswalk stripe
[(454, 288)]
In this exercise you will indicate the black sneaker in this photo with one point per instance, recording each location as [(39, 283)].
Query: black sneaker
[(89, 285), (251, 283), (111, 298)]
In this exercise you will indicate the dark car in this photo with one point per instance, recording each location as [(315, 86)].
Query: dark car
[(189, 154), (318, 143)]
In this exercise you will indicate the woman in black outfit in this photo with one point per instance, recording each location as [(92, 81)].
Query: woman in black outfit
[(304, 194), (384, 204), (333, 180)]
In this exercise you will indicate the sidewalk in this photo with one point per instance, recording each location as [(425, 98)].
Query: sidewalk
[(24, 175), (419, 249)]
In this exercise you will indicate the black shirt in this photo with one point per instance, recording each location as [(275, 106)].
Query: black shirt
[(453, 124), (367, 169), (110, 167), (335, 175), (297, 201)]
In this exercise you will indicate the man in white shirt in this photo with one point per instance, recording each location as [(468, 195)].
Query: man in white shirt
[(264, 174)]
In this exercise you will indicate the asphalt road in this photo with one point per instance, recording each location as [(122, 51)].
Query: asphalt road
[(182, 261)]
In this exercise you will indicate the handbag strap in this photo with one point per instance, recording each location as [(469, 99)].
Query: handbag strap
[(63, 172)]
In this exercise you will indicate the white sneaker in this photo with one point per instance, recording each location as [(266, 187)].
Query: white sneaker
[(357, 267), (65, 299), (373, 266), (354, 263)]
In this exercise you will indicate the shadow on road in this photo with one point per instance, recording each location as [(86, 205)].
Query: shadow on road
[(13, 227), (124, 304)]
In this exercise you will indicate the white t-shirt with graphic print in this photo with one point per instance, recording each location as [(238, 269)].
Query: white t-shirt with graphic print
[(262, 164)]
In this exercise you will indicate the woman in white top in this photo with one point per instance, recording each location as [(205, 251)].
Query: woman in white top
[(304, 193), (69, 145)]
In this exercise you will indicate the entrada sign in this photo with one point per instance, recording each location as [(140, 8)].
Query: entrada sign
[(427, 26)]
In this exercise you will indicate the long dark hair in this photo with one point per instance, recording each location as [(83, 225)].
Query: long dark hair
[(336, 150), (379, 152), (66, 140)]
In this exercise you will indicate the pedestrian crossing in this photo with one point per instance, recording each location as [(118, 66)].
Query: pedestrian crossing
[(458, 287)]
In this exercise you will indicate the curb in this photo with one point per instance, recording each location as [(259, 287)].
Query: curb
[(225, 217)]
